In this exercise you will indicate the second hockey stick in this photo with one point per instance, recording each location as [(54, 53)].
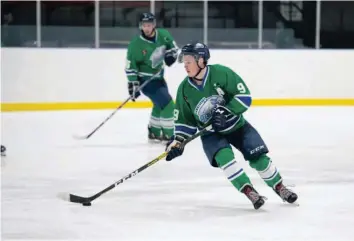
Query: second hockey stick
[(118, 108)]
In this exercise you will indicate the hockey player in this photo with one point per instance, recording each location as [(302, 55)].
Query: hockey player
[(216, 95), (146, 56)]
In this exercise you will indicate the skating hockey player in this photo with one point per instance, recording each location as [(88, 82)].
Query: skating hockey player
[(216, 95), (147, 55)]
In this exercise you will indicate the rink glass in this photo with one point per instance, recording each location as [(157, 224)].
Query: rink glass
[(220, 24)]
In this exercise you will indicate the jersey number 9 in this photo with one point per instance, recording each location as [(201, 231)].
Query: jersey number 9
[(241, 87)]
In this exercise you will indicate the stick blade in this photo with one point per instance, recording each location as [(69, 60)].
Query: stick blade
[(64, 196), (77, 137), (73, 198)]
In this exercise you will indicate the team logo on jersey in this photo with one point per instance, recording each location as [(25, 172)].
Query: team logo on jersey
[(205, 107), (144, 52), (157, 56)]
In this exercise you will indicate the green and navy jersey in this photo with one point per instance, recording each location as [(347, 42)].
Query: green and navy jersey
[(145, 57), (195, 104)]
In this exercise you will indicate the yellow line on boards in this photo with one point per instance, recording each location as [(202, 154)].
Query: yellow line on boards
[(6, 107), (303, 102)]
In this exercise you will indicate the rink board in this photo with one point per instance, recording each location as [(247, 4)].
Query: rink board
[(6, 107), (84, 79)]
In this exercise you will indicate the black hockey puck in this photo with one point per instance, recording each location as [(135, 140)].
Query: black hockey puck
[(86, 204)]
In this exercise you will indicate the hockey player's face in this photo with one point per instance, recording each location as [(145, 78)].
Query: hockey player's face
[(190, 65), (148, 28)]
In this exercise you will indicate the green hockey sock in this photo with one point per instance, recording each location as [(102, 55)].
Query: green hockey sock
[(166, 119), (154, 123), (266, 170), (232, 169)]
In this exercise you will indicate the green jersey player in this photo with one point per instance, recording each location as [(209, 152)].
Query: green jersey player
[(147, 55), (215, 95)]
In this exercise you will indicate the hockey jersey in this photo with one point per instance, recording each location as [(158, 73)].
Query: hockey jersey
[(195, 104), (146, 58)]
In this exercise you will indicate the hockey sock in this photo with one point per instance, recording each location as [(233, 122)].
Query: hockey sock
[(154, 123), (166, 119), (226, 161), (266, 170)]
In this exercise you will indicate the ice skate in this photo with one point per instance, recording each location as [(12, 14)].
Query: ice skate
[(152, 138), (285, 193), (256, 199)]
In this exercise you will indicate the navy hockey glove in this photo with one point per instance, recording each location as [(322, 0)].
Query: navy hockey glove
[(170, 57), (219, 118), (133, 87), (174, 148)]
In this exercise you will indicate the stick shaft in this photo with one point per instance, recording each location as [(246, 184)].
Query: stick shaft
[(78, 199), (120, 106)]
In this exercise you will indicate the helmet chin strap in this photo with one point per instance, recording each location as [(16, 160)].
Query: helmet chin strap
[(200, 69)]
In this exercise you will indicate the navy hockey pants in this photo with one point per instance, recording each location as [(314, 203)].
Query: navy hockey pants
[(157, 91), (246, 139)]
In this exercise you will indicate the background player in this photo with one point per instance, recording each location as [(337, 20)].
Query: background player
[(146, 56), (215, 94)]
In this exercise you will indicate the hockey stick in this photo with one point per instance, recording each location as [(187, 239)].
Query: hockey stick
[(119, 107), (86, 201)]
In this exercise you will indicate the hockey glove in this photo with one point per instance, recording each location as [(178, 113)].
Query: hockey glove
[(133, 87), (219, 118), (170, 57), (174, 148)]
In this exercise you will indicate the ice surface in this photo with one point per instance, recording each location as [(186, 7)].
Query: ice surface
[(185, 199)]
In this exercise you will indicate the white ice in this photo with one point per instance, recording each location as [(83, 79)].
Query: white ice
[(186, 199)]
